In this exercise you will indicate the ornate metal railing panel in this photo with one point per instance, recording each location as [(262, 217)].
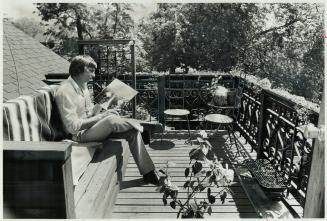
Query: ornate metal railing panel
[(271, 124), (147, 99), (193, 93), (249, 114), (282, 142), (193, 99)]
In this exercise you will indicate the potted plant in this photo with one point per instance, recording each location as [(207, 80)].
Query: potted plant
[(204, 173), (142, 113), (219, 93)]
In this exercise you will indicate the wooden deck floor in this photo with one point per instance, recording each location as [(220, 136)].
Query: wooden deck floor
[(139, 200)]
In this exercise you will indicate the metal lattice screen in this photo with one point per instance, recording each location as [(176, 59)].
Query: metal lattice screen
[(115, 59)]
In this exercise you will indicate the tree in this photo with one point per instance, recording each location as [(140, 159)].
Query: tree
[(66, 19), (159, 35), (71, 21), (213, 34), (201, 36), (279, 52), (112, 21), (312, 75)]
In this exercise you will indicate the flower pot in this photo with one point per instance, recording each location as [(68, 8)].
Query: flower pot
[(219, 97)]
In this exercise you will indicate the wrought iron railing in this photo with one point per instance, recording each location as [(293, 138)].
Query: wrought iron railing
[(271, 124)]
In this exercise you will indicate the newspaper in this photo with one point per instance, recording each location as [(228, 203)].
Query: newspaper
[(116, 90), (121, 90)]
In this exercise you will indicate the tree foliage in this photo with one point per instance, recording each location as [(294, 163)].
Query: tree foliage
[(283, 52), (200, 36), (160, 38), (69, 22)]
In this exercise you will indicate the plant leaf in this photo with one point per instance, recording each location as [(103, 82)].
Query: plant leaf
[(209, 210), (164, 199), (208, 173), (173, 204), (192, 151), (187, 172), (223, 197), (186, 184), (202, 187), (208, 192), (174, 194), (212, 199), (196, 154), (196, 167), (162, 171)]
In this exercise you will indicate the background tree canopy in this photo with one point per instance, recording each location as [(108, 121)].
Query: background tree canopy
[(69, 22), (281, 42)]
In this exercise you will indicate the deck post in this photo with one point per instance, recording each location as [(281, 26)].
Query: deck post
[(314, 202)]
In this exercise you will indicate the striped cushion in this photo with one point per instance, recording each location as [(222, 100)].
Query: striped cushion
[(33, 118)]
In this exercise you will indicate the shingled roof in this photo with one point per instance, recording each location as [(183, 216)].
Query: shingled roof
[(25, 63)]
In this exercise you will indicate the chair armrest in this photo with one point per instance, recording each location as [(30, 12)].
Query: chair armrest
[(28, 150)]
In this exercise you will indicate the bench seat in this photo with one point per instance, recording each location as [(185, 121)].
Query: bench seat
[(99, 185)]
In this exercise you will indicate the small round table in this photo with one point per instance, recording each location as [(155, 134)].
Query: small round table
[(223, 120), (177, 113)]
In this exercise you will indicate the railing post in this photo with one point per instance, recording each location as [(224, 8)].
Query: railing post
[(315, 196), (133, 70), (261, 126), (161, 97)]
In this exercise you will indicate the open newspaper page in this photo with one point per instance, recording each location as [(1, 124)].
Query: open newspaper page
[(116, 90)]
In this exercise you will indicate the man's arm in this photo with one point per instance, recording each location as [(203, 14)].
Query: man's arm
[(89, 122)]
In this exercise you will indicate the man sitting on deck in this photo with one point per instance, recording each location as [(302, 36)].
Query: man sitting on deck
[(77, 113)]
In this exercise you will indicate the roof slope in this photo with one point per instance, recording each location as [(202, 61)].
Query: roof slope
[(25, 62)]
